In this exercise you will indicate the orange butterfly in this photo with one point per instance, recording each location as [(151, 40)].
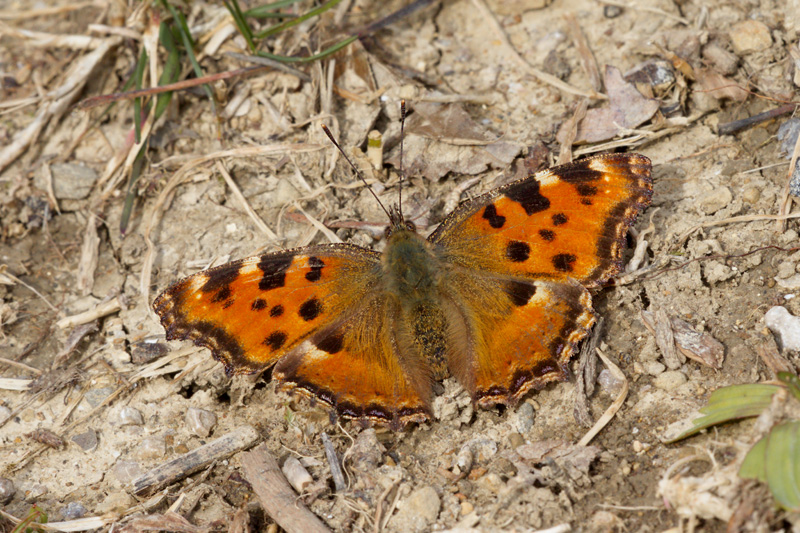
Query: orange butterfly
[(497, 296)]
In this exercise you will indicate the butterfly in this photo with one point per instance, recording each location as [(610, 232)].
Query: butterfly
[(498, 296)]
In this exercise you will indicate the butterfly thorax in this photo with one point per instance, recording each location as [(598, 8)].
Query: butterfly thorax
[(412, 276)]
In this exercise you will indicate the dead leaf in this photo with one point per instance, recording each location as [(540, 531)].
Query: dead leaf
[(719, 86), (627, 109), (699, 346)]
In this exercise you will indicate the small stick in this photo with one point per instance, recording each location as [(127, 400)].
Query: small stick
[(738, 125), (101, 310), (336, 469), (277, 497), (187, 464)]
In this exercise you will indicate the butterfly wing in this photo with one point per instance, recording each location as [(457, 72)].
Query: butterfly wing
[(520, 259), (317, 313)]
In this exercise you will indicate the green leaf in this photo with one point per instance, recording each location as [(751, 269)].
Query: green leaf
[(781, 466), (137, 102), (731, 403), (265, 11), (753, 464), (295, 21), (792, 382)]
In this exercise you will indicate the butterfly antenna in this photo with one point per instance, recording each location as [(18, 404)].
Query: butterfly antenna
[(402, 139), (355, 169)]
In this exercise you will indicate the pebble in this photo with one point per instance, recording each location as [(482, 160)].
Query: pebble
[(653, 368), (7, 490), (126, 471), (610, 383), (612, 12), (86, 441), (200, 421), (152, 448), (367, 452), (96, 396), (750, 36), (787, 326), (522, 419), (751, 195), (73, 511), (72, 181), (720, 59), (491, 482), (35, 492), (130, 416), (670, 380), (419, 510), (515, 440), (464, 459), (482, 449), (715, 200)]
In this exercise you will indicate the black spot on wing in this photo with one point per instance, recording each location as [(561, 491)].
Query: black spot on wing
[(584, 189), (275, 340), (520, 292), (258, 304), (559, 219), (276, 311), (274, 269), (223, 294), (547, 234), (332, 343), (496, 221), (316, 265), (220, 277), (310, 309), (526, 194), (518, 251), (564, 262), (578, 172)]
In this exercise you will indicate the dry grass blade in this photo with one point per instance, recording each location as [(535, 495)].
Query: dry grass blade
[(613, 408), (786, 199), (237, 193)]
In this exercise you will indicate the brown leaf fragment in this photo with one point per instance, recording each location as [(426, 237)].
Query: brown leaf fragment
[(560, 451), (768, 352), (719, 86), (169, 521), (443, 138), (699, 346), (46, 437), (627, 109)]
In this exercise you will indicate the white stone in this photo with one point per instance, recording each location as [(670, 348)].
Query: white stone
[(781, 322), (419, 510), (670, 380)]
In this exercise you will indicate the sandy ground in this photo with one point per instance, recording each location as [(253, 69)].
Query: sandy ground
[(492, 90)]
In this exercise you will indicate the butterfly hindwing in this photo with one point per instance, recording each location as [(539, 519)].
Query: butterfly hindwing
[(310, 310), (520, 260)]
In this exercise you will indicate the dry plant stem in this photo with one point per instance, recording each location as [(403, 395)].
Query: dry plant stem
[(588, 61), (489, 17), (187, 464), (786, 200), (336, 469), (59, 100), (43, 12), (21, 366), (737, 125), (267, 62), (275, 494), (177, 179), (12, 277), (101, 310), (82, 524), (565, 153), (237, 193), (733, 220), (613, 408)]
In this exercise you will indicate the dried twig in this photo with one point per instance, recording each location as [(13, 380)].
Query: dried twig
[(336, 468), (614, 407), (276, 495), (237, 193)]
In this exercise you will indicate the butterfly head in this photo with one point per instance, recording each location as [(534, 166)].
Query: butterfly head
[(397, 223)]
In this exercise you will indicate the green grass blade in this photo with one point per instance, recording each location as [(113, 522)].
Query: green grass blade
[(241, 23), (266, 10), (731, 403), (321, 55), (792, 381), (294, 22), (138, 77), (753, 464), (781, 457)]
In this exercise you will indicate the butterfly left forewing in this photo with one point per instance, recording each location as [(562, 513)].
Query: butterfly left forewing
[(520, 259)]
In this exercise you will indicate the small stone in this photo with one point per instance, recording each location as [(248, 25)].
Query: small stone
[(713, 201), (7, 490), (464, 460), (522, 419), (96, 396), (491, 482), (130, 416), (36, 492), (653, 368), (152, 448), (515, 440), (785, 270), (366, 452), (71, 181), (750, 36), (144, 352), (787, 326), (751, 195), (670, 380), (610, 383), (791, 283), (419, 510), (73, 511), (720, 59), (126, 471), (612, 12), (200, 421), (482, 449), (466, 508), (296, 474), (86, 441)]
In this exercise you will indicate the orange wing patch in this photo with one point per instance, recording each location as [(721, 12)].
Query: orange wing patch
[(566, 222)]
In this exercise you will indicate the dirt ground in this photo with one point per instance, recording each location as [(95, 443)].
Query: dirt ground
[(494, 91)]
